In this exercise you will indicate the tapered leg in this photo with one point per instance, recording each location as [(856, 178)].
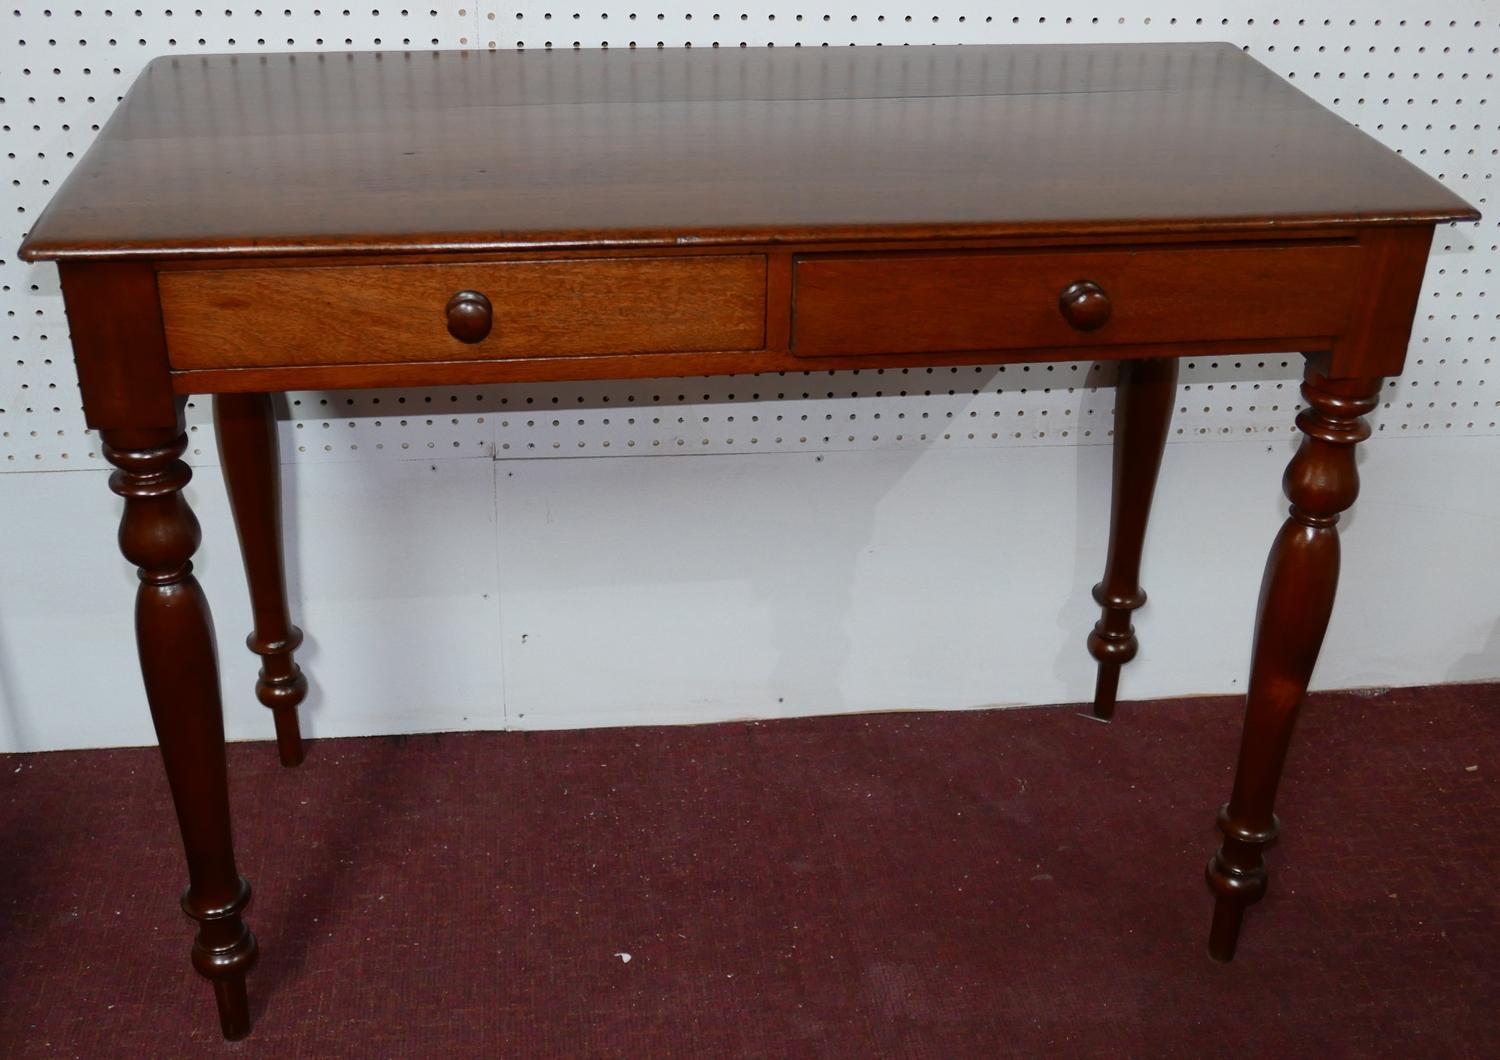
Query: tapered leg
[(1296, 599), (246, 429), (174, 632), (1143, 413)]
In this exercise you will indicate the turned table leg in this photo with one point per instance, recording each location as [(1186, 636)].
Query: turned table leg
[(1143, 413), (1296, 599), (246, 430), (174, 631)]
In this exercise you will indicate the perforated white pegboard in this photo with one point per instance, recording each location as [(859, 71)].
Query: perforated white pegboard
[(1420, 77)]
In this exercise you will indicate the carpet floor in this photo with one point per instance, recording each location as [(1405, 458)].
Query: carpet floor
[(974, 884)]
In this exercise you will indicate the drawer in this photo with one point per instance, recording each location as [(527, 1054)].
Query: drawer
[(934, 301), (363, 314)]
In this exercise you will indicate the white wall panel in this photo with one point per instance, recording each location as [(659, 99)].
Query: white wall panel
[(1419, 77), (786, 584)]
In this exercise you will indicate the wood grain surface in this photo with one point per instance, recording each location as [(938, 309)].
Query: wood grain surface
[(453, 151), (851, 304), (236, 318)]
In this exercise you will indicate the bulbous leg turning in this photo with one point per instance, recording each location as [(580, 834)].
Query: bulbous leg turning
[(1296, 600)]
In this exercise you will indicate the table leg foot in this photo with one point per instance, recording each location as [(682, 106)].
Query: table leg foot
[(1224, 933), (223, 952), (1143, 414), (1296, 600), (1106, 689), (1237, 880), (234, 1007), (281, 686)]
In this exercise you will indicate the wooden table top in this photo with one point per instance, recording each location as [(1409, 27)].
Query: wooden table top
[(340, 153)]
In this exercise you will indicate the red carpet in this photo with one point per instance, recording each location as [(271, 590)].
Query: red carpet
[(999, 883)]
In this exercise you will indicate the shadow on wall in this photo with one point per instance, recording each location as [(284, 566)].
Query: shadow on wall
[(1481, 665), (12, 732), (812, 653)]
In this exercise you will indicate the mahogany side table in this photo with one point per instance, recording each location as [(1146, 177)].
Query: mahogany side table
[(254, 223)]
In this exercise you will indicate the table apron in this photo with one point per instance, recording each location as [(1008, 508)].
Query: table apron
[(561, 317)]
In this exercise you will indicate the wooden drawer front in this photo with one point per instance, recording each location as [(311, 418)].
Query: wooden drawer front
[(934, 301), (233, 318)]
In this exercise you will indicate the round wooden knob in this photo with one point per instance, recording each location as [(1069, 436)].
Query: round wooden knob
[(1085, 305), (470, 316)]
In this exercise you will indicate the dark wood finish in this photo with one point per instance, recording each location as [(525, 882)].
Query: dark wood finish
[(252, 223), (174, 631), (1085, 305), (660, 365), (1296, 600), (470, 316), (236, 318), (246, 428), (850, 304), (121, 357), (1390, 283), (314, 153), (1388, 275), (1144, 398)]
